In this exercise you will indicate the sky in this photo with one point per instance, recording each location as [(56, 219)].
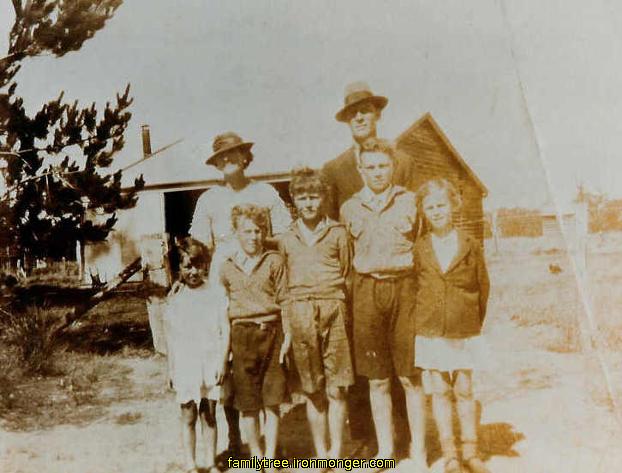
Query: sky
[(527, 91)]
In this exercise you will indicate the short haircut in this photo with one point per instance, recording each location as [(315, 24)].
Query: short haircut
[(197, 253), (306, 180), (378, 145), (258, 215), (439, 184)]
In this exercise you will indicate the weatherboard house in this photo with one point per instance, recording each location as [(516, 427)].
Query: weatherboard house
[(166, 204)]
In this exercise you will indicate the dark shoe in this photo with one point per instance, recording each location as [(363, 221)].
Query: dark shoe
[(476, 465)]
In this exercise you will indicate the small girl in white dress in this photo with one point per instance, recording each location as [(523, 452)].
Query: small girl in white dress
[(451, 298), (197, 348)]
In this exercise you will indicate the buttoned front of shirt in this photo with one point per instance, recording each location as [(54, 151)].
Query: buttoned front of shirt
[(383, 235)]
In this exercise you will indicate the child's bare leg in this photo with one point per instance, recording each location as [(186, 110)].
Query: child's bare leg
[(207, 415), (441, 406), (415, 407), (465, 405), (233, 423), (336, 419), (250, 426), (316, 413), (188, 433), (382, 413), (271, 430)]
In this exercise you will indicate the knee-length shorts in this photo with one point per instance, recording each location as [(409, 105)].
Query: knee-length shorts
[(258, 378), (383, 326), (320, 343)]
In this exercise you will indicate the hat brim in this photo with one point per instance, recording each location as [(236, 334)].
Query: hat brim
[(379, 101), (214, 157)]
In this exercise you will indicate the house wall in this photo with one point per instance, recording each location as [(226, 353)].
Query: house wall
[(136, 229), (433, 159)]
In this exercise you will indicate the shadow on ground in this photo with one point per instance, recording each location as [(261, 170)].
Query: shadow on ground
[(495, 439), (110, 338)]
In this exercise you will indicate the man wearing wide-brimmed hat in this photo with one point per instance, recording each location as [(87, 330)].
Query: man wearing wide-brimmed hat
[(211, 222), (361, 111)]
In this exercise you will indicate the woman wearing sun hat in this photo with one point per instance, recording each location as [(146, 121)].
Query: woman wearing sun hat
[(211, 222)]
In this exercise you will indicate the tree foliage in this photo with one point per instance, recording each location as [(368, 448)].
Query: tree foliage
[(58, 159)]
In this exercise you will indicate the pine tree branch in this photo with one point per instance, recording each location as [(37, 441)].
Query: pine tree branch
[(17, 6)]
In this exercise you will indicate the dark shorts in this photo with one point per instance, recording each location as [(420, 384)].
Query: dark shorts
[(383, 326), (320, 343), (258, 377)]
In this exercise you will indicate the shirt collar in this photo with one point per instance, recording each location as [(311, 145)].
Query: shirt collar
[(311, 237), (377, 201), (247, 264)]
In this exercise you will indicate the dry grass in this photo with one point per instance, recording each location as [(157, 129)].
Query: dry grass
[(79, 393), (42, 386), (25, 336), (545, 305)]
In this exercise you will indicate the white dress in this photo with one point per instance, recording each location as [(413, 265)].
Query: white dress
[(448, 354), (195, 341)]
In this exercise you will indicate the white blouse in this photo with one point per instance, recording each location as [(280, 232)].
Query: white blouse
[(445, 248)]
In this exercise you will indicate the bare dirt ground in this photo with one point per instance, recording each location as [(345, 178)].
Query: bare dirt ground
[(547, 404)]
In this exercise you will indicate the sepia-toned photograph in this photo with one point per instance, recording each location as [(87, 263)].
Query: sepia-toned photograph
[(287, 236)]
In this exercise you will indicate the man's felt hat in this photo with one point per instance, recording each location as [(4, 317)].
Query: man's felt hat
[(355, 94), (226, 142)]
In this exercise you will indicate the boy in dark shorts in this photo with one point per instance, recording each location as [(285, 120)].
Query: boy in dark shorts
[(317, 256), (255, 281), (381, 219)]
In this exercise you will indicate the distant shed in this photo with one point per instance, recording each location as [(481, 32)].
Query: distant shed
[(435, 157)]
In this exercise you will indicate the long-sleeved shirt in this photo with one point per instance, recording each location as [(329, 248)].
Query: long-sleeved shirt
[(258, 292), (317, 269)]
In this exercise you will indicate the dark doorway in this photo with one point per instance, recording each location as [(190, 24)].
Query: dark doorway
[(178, 210)]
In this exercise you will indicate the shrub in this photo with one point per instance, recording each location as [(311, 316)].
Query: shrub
[(26, 335)]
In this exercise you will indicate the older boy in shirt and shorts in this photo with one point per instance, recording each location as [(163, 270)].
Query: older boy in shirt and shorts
[(317, 254), (381, 219)]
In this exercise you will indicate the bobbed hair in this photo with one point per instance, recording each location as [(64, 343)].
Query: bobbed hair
[(436, 185), (194, 250)]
